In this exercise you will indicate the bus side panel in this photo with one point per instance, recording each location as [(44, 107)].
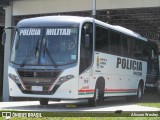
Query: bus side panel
[(121, 74)]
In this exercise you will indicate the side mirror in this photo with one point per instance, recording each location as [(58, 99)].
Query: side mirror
[(4, 34), (87, 41), (3, 38)]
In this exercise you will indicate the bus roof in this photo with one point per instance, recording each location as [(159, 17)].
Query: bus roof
[(74, 21), (47, 21), (122, 30)]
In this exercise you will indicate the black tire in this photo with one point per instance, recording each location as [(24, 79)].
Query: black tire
[(139, 92), (44, 101), (98, 95)]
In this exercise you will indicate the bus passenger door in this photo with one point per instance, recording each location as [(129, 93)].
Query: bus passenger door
[(86, 55)]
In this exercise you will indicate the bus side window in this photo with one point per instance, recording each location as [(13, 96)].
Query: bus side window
[(137, 49), (113, 43), (130, 47), (102, 39), (99, 39), (124, 46), (118, 41), (145, 53)]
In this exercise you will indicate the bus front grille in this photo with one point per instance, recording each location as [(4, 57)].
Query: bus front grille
[(43, 79)]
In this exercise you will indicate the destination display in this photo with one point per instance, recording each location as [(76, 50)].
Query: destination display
[(35, 31)]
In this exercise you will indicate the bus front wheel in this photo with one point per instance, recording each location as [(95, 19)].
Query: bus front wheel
[(98, 94), (44, 101)]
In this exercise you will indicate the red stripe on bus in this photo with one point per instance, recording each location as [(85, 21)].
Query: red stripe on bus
[(86, 90), (113, 90), (108, 90)]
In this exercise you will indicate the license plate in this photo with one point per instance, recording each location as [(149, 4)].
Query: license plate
[(37, 88)]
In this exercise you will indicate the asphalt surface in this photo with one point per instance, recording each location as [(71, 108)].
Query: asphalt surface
[(110, 105)]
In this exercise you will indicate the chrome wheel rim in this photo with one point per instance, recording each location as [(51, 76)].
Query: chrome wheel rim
[(96, 94)]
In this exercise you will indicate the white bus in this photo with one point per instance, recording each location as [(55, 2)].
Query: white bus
[(69, 57)]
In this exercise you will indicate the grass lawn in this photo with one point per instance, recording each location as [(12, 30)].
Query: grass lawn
[(150, 99), (149, 104)]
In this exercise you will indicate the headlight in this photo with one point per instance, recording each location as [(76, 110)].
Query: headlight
[(64, 79), (15, 78)]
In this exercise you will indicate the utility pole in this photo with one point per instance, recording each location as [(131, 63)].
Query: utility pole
[(94, 8)]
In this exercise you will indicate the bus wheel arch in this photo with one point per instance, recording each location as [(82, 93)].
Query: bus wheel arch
[(98, 92), (140, 91)]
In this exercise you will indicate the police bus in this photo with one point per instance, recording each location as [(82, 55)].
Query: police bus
[(69, 57)]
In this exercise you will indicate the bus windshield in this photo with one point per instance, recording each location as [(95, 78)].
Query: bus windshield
[(45, 46)]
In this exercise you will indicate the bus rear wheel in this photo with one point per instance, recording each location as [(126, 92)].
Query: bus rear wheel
[(137, 97), (44, 101), (139, 92), (98, 95)]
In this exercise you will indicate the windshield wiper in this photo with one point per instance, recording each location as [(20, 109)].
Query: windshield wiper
[(31, 54), (49, 55)]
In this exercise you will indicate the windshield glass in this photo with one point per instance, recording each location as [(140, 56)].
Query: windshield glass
[(49, 46), (25, 42)]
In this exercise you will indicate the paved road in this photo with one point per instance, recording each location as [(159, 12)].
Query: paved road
[(110, 105)]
